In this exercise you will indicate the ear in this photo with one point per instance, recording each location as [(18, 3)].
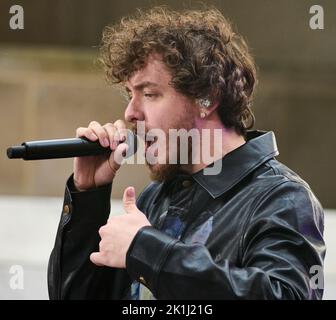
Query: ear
[(214, 105), (207, 106)]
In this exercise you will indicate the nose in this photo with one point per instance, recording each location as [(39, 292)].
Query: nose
[(134, 112)]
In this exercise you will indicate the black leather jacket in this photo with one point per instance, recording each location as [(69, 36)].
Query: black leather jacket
[(265, 235)]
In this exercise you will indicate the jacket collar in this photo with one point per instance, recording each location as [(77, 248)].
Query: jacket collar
[(236, 165)]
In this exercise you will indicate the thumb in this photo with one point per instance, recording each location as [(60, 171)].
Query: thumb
[(129, 200), (97, 259)]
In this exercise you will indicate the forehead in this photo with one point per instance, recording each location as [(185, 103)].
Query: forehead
[(154, 72)]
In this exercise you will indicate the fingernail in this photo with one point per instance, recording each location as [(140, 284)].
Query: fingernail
[(115, 144), (130, 192), (106, 143)]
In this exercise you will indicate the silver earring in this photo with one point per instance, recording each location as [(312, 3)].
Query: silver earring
[(204, 102), (203, 114)]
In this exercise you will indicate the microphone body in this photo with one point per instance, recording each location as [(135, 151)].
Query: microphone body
[(65, 148)]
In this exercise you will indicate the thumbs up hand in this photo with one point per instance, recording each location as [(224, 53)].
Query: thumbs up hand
[(129, 201), (118, 233)]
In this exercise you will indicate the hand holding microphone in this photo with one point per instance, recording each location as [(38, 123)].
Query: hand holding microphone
[(98, 151), (95, 171)]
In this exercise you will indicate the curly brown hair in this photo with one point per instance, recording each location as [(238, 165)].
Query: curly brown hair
[(205, 57)]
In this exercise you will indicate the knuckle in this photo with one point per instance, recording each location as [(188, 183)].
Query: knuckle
[(109, 125), (101, 231), (110, 129), (120, 124), (93, 123)]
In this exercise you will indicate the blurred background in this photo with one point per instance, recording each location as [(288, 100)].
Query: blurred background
[(50, 84)]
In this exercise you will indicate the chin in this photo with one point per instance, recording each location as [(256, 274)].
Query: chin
[(163, 172)]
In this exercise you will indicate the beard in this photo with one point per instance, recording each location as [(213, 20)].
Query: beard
[(164, 172), (168, 171), (161, 172)]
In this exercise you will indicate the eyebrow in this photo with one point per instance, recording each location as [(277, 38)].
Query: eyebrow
[(142, 85)]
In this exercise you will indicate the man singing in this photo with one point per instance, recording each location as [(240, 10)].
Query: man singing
[(252, 230)]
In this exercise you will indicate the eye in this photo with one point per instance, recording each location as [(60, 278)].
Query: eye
[(150, 95)]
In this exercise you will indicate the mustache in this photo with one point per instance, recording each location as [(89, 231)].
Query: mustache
[(134, 129)]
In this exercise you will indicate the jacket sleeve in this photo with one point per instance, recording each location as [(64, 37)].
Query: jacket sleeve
[(71, 274), (280, 243)]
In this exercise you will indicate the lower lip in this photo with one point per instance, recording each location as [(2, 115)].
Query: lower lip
[(149, 150), (148, 147)]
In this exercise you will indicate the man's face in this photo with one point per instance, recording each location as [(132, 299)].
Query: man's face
[(154, 101)]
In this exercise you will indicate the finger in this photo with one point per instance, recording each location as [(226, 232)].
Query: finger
[(113, 135), (100, 132), (101, 231), (87, 133), (121, 126), (98, 259), (129, 200), (119, 154)]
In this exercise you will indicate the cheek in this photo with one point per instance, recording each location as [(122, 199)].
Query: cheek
[(169, 112), (155, 118)]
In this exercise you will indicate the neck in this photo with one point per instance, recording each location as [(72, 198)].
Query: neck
[(215, 141)]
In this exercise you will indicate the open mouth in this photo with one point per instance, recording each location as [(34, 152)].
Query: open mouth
[(150, 140)]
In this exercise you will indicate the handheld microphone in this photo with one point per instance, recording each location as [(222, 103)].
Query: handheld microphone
[(66, 148)]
